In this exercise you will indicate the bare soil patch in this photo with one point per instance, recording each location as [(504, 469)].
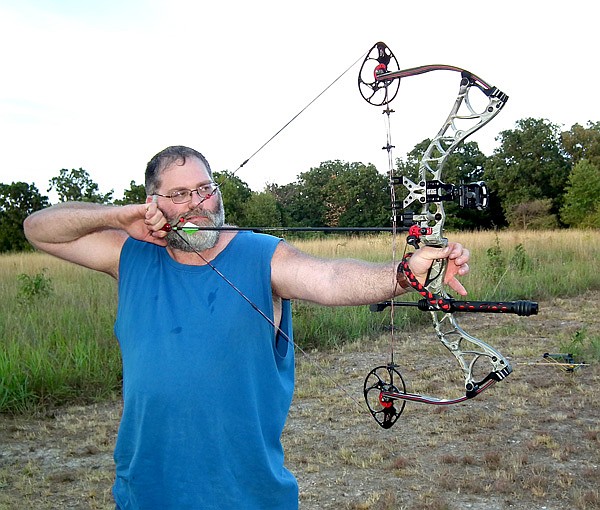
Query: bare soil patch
[(531, 442)]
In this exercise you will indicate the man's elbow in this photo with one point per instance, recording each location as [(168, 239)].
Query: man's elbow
[(30, 228)]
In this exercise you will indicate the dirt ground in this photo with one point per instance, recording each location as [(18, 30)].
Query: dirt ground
[(531, 442)]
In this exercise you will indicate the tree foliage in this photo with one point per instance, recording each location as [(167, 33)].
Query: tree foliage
[(262, 210), (583, 143), (538, 177), (582, 204), (77, 185), (533, 215), (136, 194), (336, 194), (235, 193), (529, 165), (17, 201)]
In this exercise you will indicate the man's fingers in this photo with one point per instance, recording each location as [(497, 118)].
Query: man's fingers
[(154, 218), (457, 286)]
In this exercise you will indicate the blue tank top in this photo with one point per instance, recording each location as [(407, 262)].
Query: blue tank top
[(207, 384)]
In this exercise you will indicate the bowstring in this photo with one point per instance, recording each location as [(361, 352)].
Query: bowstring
[(299, 113), (394, 218), (277, 328)]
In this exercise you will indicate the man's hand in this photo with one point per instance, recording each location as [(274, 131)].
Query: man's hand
[(155, 221), (458, 258), (143, 222)]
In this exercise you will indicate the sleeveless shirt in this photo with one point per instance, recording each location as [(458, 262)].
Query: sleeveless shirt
[(207, 382)]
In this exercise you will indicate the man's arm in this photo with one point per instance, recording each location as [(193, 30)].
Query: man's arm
[(91, 235), (347, 282)]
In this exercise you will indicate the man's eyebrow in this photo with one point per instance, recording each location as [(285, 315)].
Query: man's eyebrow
[(180, 188)]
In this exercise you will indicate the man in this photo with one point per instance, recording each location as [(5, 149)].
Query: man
[(204, 326)]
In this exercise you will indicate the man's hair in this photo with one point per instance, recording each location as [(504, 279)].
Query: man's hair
[(176, 154)]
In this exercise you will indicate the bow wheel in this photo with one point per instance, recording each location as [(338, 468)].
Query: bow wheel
[(379, 60), (381, 384)]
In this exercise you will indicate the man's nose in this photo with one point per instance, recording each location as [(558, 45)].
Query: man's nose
[(196, 199)]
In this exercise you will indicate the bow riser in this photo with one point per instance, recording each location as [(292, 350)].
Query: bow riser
[(448, 139), (431, 191), (469, 351)]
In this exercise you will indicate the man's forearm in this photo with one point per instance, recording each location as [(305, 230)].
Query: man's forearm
[(69, 221)]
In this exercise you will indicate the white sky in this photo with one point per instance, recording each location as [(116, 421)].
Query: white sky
[(106, 84)]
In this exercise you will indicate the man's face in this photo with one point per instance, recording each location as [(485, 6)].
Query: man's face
[(203, 212)]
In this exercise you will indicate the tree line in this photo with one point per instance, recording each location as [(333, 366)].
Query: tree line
[(538, 177)]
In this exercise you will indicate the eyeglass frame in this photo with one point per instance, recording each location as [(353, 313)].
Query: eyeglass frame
[(189, 193)]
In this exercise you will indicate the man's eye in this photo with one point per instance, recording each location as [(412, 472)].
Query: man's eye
[(180, 193)]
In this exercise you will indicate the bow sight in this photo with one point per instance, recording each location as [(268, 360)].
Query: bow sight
[(474, 195)]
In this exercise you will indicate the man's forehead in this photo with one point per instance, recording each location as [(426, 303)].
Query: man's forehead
[(191, 165)]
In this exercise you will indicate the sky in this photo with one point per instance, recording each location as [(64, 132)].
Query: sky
[(104, 85)]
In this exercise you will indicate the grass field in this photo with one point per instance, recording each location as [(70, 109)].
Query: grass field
[(531, 442), (56, 319)]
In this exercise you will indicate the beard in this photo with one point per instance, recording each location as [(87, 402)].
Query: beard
[(198, 240)]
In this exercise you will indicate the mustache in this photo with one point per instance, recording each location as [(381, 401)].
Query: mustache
[(213, 217), (196, 213)]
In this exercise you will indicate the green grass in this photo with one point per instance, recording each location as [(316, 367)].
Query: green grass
[(57, 345), (56, 319)]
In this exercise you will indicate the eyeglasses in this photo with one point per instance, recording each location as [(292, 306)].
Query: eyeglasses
[(182, 196)]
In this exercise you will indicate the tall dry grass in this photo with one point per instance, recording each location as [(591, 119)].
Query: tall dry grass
[(58, 346)]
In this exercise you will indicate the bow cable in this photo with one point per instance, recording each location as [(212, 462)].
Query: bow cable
[(276, 328), (178, 228), (298, 114)]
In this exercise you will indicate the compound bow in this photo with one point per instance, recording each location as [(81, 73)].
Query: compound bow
[(378, 81), (384, 387)]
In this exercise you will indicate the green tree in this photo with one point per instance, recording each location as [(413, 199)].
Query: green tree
[(410, 167), (235, 193), (136, 194), (262, 210), (77, 185), (529, 165), (581, 206), (583, 143), (335, 194), (303, 201), (284, 196), (359, 197), (17, 201), (533, 215), (310, 205)]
